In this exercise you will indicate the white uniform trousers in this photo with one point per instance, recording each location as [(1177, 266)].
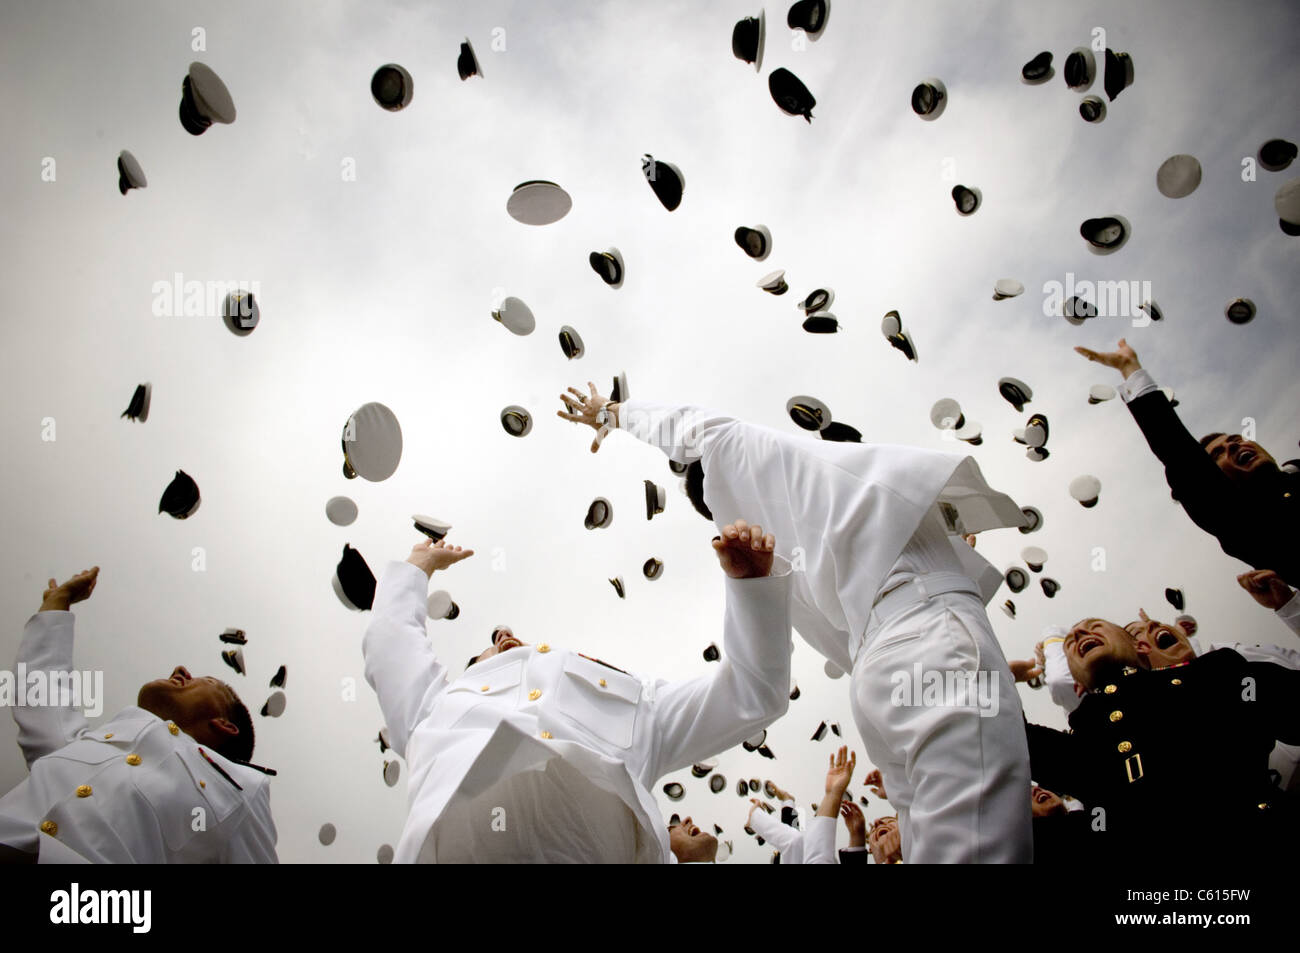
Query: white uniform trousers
[(955, 763)]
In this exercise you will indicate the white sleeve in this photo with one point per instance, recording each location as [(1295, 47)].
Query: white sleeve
[(1060, 683), (679, 431), (748, 690), (819, 841), (400, 663), (47, 647), (1289, 613), (1136, 385), (769, 827)]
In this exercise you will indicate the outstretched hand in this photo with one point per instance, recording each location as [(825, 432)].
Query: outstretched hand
[(431, 556), (77, 589), (1124, 359), (840, 772), (582, 409), (743, 550), (1024, 670)]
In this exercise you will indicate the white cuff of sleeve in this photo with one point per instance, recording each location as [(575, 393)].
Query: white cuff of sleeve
[(1137, 384)]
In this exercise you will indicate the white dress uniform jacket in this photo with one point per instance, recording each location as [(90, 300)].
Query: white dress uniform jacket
[(600, 732), (848, 508), (129, 790)]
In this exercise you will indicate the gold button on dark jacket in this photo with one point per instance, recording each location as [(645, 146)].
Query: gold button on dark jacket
[(1125, 747), (1116, 715), (1111, 689)]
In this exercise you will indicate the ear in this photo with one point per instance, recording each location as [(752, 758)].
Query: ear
[(223, 726)]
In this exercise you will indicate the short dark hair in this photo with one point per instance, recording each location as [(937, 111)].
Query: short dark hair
[(238, 747), (472, 660), (1208, 438), (695, 489)]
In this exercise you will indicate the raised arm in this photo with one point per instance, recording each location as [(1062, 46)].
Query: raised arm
[(680, 431), (819, 842), (749, 688), (47, 647), (400, 662), (781, 836)]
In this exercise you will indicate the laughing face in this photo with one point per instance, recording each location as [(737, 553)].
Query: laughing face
[(1094, 648), (690, 844), (884, 840), (1162, 645), (199, 706), (1239, 459), (1045, 803), (503, 639)]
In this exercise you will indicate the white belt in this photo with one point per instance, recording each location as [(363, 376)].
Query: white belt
[(907, 595)]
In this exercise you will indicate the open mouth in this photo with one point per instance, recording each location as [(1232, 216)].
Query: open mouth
[(1245, 456), (1165, 639), (1087, 643), (506, 642)]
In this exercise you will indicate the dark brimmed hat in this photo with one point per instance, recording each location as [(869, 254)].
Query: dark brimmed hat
[(181, 498), (571, 343), (837, 432), (808, 413), (609, 265), (1240, 311), (516, 421), (1276, 154), (824, 323), (240, 312), (1119, 73), (666, 181), (392, 87), (655, 498), (809, 16), (138, 408), (755, 242), (1050, 587), (440, 605), (467, 62), (1092, 109), (1175, 598), (791, 95), (747, 39), (1035, 557), (1080, 69), (617, 583), (354, 583), (929, 99), (1038, 70), (967, 200), (1016, 579), (652, 569), (274, 706), (234, 658), (1033, 519), (1106, 234), (599, 514), (1016, 392)]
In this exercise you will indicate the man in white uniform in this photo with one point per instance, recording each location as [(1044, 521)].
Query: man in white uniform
[(538, 754), (885, 592), (134, 789)]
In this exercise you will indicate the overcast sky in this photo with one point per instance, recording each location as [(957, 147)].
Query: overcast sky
[(380, 289)]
